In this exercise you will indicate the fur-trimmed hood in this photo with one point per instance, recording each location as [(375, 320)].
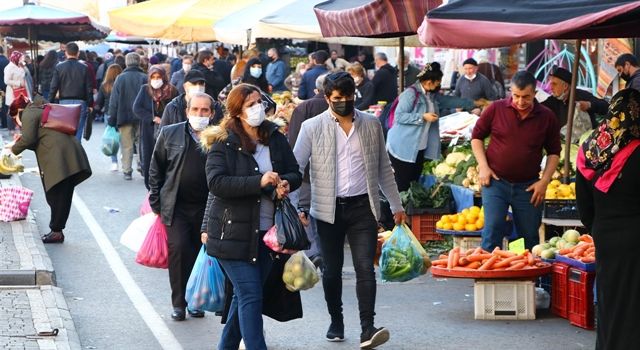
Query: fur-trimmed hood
[(219, 133)]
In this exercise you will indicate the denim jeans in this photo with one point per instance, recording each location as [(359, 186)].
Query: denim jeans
[(355, 220), (245, 315), (83, 115), (496, 200)]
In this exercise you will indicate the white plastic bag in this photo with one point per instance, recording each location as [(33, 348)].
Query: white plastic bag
[(134, 235)]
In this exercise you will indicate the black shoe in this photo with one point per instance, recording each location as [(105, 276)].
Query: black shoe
[(128, 177), (53, 237), (336, 332), (218, 313), (178, 314), (196, 313), (373, 337), (318, 262)]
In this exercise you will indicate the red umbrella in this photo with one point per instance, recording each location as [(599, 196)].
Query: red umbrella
[(373, 19)]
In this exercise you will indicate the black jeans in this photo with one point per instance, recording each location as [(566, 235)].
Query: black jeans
[(183, 238), (355, 220), (405, 172), (59, 199)]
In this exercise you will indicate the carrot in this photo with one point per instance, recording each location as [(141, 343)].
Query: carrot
[(586, 238), (478, 257), (456, 257), (439, 262), (564, 251), (463, 261), (590, 250), (506, 262), (530, 258), (518, 266), (503, 253), (477, 251), (588, 259), (450, 258), (474, 265), (489, 263), (469, 252), (443, 256)]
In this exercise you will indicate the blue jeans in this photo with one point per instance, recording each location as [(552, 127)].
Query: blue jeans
[(83, 115), (245, 315), (496, 200)]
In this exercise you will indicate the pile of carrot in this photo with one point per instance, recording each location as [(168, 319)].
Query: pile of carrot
[(584, 251), (479, 259)]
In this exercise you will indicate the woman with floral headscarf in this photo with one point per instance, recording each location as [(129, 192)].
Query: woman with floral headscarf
[(608, 196), (148, 108), (15, 76)]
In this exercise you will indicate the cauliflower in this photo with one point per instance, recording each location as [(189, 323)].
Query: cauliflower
[(443, 169), (454, 158)]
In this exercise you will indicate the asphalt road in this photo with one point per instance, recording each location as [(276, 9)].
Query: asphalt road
[(118, 304)]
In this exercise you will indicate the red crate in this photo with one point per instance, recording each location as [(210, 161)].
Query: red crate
[(580, 288), (423, 227), (559, 292)]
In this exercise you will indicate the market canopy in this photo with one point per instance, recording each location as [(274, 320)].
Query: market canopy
[(507, 22), (36, 22), (186, 21), (372, 18)]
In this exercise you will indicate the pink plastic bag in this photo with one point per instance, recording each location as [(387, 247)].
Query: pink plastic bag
[(271, 241), (14, 203), (154, 251), (145, 208)]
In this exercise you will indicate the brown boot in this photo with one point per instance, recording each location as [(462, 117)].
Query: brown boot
[(53, 237)]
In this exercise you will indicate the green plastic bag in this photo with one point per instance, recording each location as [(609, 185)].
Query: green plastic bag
[(401, 260), (110, 141)]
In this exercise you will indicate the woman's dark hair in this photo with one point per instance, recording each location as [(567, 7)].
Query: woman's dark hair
[(234, 104), (341, 82), (50, 60), (524, 78), (261, 82), (430, 72)]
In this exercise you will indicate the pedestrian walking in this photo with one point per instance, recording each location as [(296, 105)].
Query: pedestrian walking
[(176, 110), (102, 101), (385, 80), (364, 87), (148, 107), (45, 73), (520, 129), (253, 74), (125, 90), (345, 202), (215, 81), (71, 84), (62, 161), (249, 164), (15, 78), (415, 134), (309, 77), (177, 78), (178, 193), (607, 190)]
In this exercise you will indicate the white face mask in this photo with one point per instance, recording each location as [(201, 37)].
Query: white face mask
[(470, 77), (198, 123), (255, 115), (195, 89), (186, 67), (255, 72), (156, 83)]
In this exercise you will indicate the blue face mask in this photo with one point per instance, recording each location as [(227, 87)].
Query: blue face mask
[(255, 72)]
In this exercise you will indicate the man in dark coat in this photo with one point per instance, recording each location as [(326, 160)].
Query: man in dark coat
[(309, 77), (176, 111), (124, 92), (627, 67), (214, 80), (385, 81), (560, 83)]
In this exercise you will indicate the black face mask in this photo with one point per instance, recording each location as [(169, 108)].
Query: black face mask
[(343, 108), (625, 76)]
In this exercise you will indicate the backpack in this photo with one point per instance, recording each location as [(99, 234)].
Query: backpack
[(387, 116)]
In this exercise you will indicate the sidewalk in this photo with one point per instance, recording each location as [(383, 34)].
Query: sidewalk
[(33, 312)]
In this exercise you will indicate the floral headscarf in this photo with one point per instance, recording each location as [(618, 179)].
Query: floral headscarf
[(15, 57), (620, 127)]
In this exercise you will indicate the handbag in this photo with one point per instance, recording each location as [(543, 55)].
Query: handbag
[(62, 118), (14, 203), (20, 91)]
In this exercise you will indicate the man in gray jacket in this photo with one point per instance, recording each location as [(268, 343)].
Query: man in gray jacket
[(348, 163), (124, 92)]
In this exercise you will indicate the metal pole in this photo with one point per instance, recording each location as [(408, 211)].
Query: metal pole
[(572, 107), (401, 64)]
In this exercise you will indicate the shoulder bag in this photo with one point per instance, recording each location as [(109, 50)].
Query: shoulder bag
[(62, 118)]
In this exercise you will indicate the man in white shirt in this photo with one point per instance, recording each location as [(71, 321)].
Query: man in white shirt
[(348, 165)]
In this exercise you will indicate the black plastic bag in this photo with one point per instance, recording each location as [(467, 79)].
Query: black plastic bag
[(290, 231)]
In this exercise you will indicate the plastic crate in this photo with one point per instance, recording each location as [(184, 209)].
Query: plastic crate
[(559, 292), (561, 209), (472, 242), (580, 287), (504, 300), (423, 227)]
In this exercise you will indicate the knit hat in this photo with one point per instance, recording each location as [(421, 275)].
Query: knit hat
[(561, 74)]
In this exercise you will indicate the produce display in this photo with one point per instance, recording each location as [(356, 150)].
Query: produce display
[(572, 245), (481, 260), (569, 239), (299, 273), (558, 190), (437, 196), (10, 164), (469, 219), (450, 163)]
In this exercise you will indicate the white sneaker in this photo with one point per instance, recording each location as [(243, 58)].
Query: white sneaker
[(242, 347), (114, 167)]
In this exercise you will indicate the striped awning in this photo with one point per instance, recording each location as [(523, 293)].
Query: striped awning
[(372, 18), (495, 23)]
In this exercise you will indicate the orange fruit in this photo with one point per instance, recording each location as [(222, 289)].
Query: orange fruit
[(479, 224), (472, 217), (469, 227), (462, 220), (458, 226), (444, 219), (474, 209), (439, 224), (447, 226), (465, 211)]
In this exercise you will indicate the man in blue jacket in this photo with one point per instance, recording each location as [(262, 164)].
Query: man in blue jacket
[(319, 68), (276, 71)]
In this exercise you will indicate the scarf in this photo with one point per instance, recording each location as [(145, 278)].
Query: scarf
[(607, 149), (165, 91), (15, 57)]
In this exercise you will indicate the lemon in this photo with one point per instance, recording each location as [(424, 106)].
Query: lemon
[(447, 226), (479, 224), (439, 224), (470, 227), (474, 209), (458, 226), (462, 220), (465, 211), (555, 183)]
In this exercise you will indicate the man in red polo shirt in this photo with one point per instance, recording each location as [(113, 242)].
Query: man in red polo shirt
[(520, 129)]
